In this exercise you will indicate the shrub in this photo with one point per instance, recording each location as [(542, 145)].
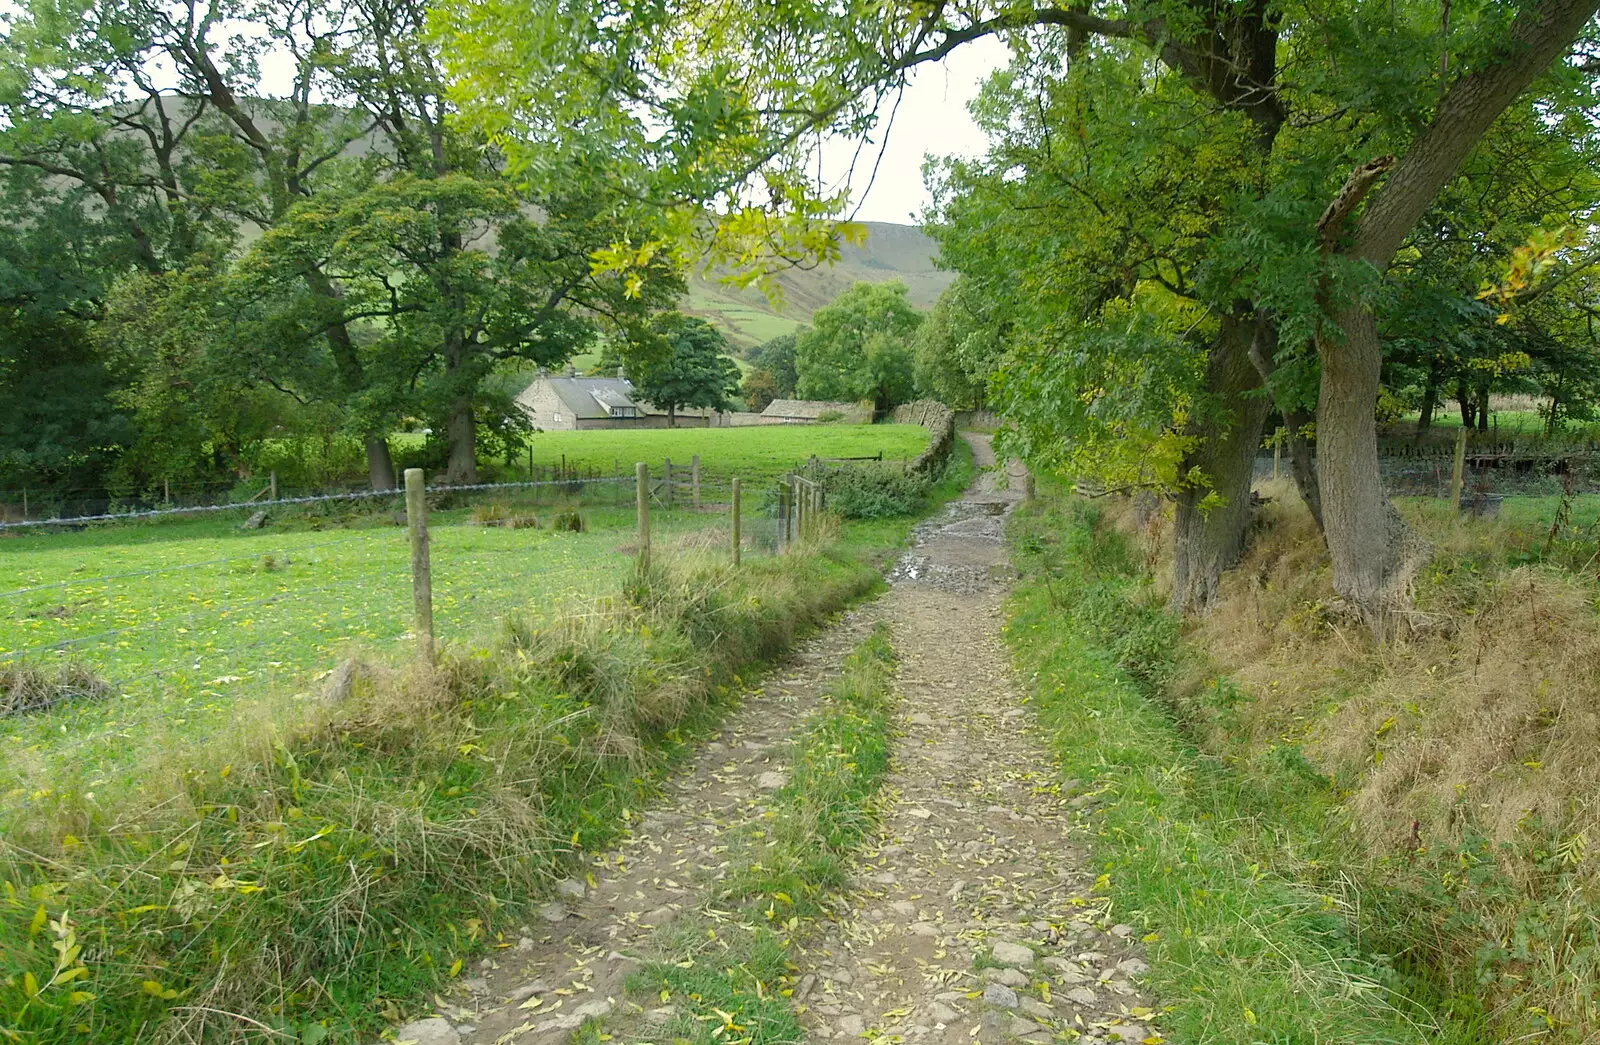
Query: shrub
[(568, 521), (490, 514), (875, 493), (828, 417)]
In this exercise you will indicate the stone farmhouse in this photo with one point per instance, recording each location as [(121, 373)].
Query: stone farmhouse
[(571, 403)]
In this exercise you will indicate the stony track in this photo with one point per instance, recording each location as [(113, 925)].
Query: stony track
[(973, 916)]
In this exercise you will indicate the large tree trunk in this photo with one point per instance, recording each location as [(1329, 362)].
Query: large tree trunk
[(461, 427), (1208, 540), (352, 377), (1375, 556), (1302, 466), (380, 464), (1469, 412), (461, 432)]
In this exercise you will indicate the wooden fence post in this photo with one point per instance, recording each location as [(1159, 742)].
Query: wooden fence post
[(641, 472), (735, 496), (1458, 469), (421, 575), (1277, 453), (783, 514), (667, 470), (694, 478), (272, 485)]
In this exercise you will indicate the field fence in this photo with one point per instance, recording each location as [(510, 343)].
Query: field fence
[(1487, 478), (194, 645), (575, 485)]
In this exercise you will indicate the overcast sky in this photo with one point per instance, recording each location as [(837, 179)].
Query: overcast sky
[(932, 118)]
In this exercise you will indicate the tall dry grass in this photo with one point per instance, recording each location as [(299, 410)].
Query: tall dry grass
[(313, 875), (1466, 754)]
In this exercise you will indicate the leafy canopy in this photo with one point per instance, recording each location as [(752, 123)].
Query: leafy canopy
[(859, 347)]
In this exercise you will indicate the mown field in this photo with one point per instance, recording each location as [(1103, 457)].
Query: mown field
[(760, 452)]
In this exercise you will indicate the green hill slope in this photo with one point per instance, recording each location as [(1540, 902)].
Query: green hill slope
[(748, 318)]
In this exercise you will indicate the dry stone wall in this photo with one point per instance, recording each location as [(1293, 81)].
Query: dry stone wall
[(940, 422)]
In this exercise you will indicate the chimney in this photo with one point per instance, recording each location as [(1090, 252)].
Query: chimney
[(543, 371), (572, 370), (622, 373)]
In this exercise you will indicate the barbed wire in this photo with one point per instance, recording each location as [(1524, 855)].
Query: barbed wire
[(357, 495)]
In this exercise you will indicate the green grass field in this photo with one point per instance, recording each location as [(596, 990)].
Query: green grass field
[(744, 323), (199, 625), (755, 453), (196, 623)]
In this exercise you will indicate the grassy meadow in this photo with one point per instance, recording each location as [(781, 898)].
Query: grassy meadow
[(200, 627), (756, 453), (193, 624)]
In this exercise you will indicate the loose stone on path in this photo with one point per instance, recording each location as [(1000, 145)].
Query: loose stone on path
[(974, 917)]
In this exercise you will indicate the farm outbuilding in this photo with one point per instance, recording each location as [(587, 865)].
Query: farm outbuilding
[(572, 403), (806, 411)]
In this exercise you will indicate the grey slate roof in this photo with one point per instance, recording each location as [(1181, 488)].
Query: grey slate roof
[(593, 397), (584, 396)]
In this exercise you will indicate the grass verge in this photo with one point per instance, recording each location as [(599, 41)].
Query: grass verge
[(1253, 932), (305, 882), (726, 973)]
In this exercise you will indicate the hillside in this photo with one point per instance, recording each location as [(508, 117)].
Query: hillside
[(747, 317)]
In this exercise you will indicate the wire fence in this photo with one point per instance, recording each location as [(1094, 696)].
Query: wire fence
[(198, 635), (1488, 478)]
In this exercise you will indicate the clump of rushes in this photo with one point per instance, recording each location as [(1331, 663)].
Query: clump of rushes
[(1250, 936), (728, 978), (312, 879), (26, 687)]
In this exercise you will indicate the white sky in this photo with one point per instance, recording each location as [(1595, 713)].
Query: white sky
[(932, 118)]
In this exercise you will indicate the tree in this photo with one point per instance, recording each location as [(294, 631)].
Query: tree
[(1375, 556), (959, 346), (759, 389), (858, 347), (776, 357), (690, 369)]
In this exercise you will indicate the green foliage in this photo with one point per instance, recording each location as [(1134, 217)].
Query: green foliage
[(869, 492), (59, 423), (691, 369), (858, 347), (759, 389), (959, 346), (777, 358)]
